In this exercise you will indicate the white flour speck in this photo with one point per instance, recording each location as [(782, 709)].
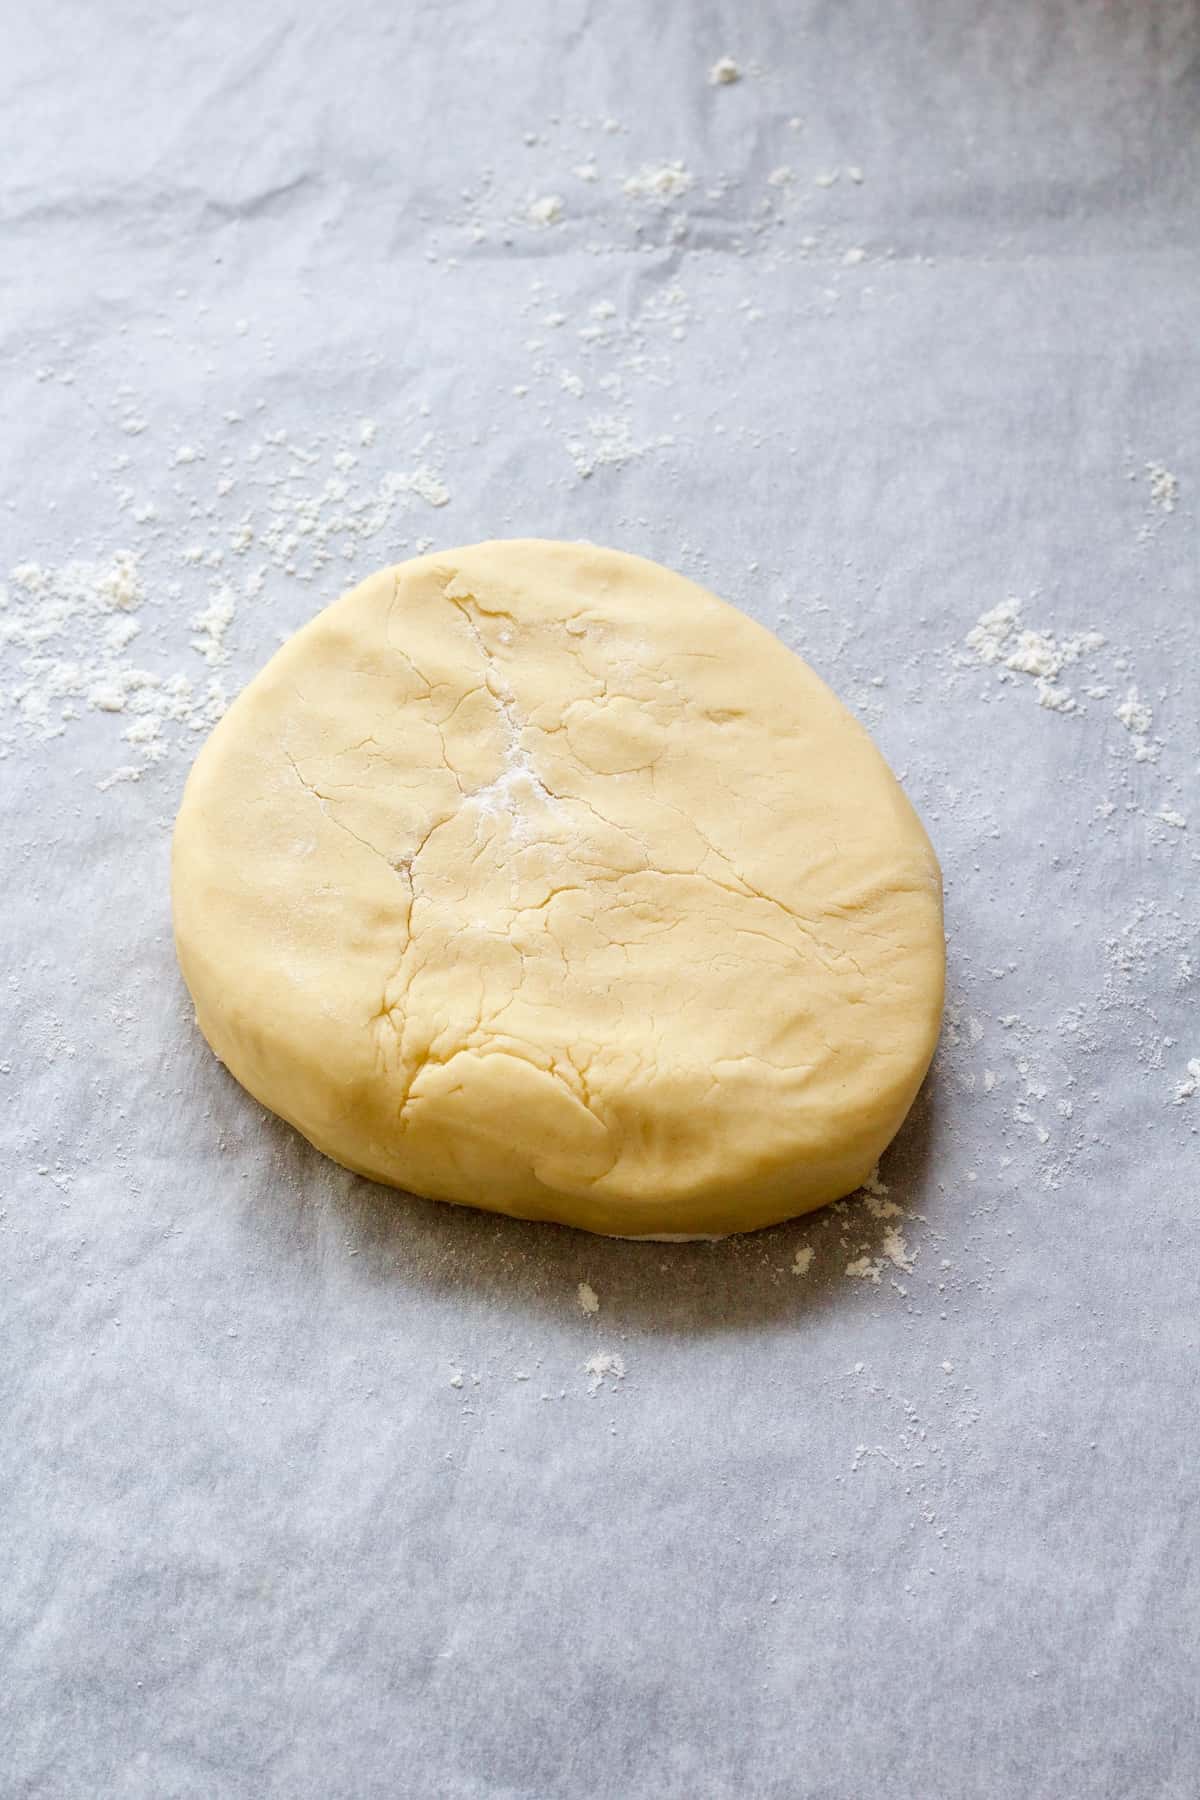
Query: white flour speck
[(1190, 1085), (659, 182), (1135, 715), (546, 210), (1164, 487), (604, 1366), (1000, 639)]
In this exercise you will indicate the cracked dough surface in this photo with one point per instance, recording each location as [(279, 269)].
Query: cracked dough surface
[(532, 876)]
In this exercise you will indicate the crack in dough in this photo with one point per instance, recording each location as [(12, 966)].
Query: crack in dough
[(533, 877)]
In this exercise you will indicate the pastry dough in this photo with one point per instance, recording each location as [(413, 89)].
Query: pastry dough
[(534, 877)]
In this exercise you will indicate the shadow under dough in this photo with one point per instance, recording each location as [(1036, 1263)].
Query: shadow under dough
[(534, 1268)]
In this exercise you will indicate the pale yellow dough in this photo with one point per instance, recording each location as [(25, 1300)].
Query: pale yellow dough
[(534, 877)]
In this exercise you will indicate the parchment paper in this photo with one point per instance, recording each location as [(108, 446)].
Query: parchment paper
[(305, 1488)]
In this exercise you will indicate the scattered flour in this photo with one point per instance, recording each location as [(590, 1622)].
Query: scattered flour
[(723, 72), (1164, 487), (803, 1260), (100, 637), (1135, 715), (609, 443), (547, 210), (604, 1366), (65, 636), (424, 484), (894, 1249), (212, 624), (1002, 640), (875, 1198), (659, 182), (1190, 1085), (589, 1300)]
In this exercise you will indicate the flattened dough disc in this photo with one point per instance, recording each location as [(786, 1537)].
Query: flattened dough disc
[(534, 877)]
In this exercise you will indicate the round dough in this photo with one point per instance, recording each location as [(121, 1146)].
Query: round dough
[(534, 877)]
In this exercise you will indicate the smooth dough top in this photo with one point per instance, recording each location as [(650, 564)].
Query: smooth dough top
[(532, 876)]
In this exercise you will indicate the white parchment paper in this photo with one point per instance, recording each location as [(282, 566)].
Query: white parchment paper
[(308, 1490)]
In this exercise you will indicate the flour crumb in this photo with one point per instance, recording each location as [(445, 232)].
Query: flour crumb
[(1054, 699), (589, 1299), (659, 182), (875, 1198), (992, 629), (1167, 815), (1135, 715), (896, 1250), (1000, 639), (456, 1379), (126, 772), (864, 1268), (423, 483), (212, 624), (803, 1260), (367, 428), (605, 1365), (547, 210), (1164, 487), (723, 72), (609, 444), (1190, 1085)]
